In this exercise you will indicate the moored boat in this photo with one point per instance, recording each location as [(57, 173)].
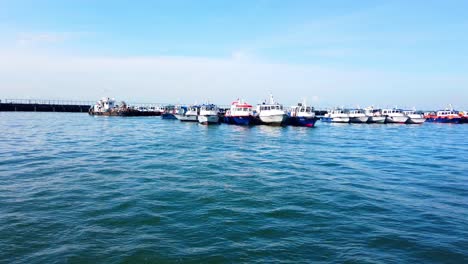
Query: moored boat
[(240, 113), (187, 113), (108, 107), (375, 115), (271, 113), (168, 112), (414, 117), (209, 114), (302, 115), (394, 116), (444, 116), (357, 116), (337, 115)]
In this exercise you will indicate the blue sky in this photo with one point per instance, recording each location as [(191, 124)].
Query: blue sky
[(408, 53)]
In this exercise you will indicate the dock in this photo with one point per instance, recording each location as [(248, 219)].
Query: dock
[(38, 105)]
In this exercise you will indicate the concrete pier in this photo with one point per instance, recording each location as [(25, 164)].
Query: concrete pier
[(26, 105)]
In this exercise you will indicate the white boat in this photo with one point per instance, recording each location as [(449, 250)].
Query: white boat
[(108, 107), (271, 113), (357, 116), (375, 115), (337, 115), (394, 115), (413, 117), (187, 114), (209, 114), (105, 105)]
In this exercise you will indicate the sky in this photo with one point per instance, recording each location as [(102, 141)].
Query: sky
[(332, 53)]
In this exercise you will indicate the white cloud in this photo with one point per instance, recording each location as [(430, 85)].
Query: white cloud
[(30, 39)]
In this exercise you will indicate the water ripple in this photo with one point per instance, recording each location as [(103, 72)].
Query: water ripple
[(81, 189)]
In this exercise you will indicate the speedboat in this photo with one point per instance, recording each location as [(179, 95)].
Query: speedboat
[(357, 116), (187, 113), (414, 117), (240, 113), (209, 114), (337, 115), (444, 116), (302, 115), (394, 116), (271, 113), (375, 115)]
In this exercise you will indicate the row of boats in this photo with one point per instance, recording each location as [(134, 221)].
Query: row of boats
[(242, 113), (394, 116), (271, 112)]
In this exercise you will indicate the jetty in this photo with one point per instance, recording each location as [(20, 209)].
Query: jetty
[(40, 105)]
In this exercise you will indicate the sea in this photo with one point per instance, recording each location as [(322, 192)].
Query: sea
[(76, 188)]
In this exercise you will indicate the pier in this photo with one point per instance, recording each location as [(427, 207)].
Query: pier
[(73, 106), (40, 105)]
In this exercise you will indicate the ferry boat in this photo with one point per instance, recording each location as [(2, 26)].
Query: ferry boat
[(414, 117), (357, 116), (271, 113), (168, 112), (240, 113), (394, 116), (302, 115), (375, 115), (337, 115), (444, 116), (188, 113), (209, 114)]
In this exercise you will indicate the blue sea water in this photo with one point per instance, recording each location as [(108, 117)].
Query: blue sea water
[(81, 189)]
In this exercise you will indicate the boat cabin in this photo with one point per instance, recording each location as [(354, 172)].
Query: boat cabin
[(391, 111), (447, 113), (241, 108), (356, 111), (338, 111), (270, 107), (210, 107)]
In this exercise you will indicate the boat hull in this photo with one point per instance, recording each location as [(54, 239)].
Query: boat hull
[(377, 119), (359, 119), (118, 113), (336, 119), (239, 120), (454, 120), (396, 119), (168, 116), (187, 118), (415, 120), (208, 119), (303, 121), (273, 120)]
